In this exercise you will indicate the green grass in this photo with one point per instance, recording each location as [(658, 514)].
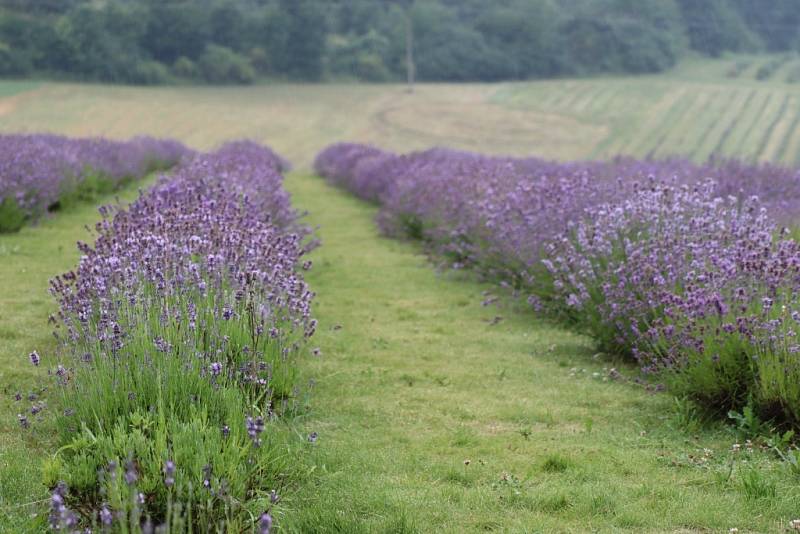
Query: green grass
[(694, 110), (678, 113), (414, 380), (11, 88)]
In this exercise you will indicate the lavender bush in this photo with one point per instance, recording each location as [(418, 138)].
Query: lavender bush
[(180, 329), (679, 266), (693, 284), (42, 172)]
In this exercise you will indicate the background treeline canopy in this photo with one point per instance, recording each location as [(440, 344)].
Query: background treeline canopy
[(238, 41)]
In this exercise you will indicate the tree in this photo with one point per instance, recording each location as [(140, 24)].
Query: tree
[(227, 26), (305, 39), (714, 27), (176, 30)]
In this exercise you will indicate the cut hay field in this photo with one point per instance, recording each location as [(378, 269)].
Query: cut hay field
[(694, 111), (434, 413)]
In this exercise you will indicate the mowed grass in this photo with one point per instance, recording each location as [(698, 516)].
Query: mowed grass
[(416, 380), (696, 110)]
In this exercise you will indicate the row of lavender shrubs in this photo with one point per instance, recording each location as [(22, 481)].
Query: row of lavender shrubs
[(686, 269), (179, 333), (45, 172)]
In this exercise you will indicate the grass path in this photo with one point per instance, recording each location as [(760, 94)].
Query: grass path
[(415, 379)]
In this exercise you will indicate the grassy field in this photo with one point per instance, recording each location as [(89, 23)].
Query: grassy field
[(416, 377), (696, 110)]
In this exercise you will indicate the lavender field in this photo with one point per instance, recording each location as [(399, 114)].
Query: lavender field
[(405, 336), (688, 270)]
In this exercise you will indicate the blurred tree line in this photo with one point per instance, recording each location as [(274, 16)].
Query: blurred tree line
[(238, 41)]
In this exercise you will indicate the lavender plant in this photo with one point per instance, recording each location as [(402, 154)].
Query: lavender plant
[(700, 289), (42, 172), (677, 265), (180, 329)]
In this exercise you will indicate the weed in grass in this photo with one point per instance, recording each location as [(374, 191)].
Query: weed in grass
[(685, 415), (756, 484), (464, 436), (408, 379), (12, 217), (553, 504), (555, 463)]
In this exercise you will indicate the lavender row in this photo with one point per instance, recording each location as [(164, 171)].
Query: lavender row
[(180, 330), (700, 289), (38, 171), (680, 266)]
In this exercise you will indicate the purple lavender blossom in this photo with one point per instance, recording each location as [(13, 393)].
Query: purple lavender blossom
[(106, 517), (131, 474), (169, 473), (265, 523)]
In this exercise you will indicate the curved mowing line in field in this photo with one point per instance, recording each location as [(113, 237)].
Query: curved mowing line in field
[(588, 100), (570, 97), (782, 130), (681, 131), (600, 103), (730, 109), (552, 93), (754, 120), (759, 117), (731, 127), (575, 96), (771, 128), (642, 138), (668, 122), (713, 114)]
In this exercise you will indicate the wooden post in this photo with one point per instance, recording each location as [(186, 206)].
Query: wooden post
[(410, 67)]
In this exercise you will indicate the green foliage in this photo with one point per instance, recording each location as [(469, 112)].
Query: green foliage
[(304, 45), (362, 56), (88, 187), (185, 68), (757, 485), (623, 36), (12, 217), (748, 425), (12, 63), (149, 72), (714, 27), (222, 65), (117, 40)]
